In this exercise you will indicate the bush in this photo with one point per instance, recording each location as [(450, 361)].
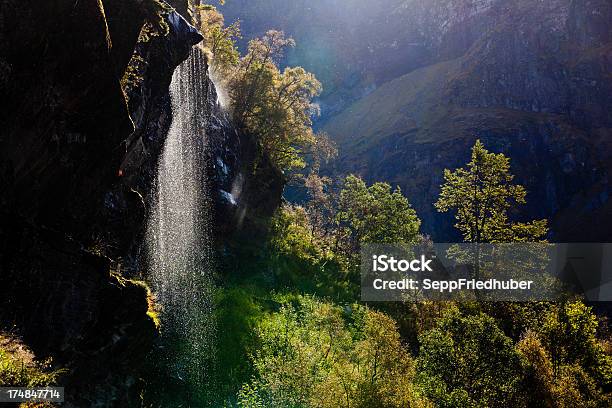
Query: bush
[(316, 354), (467, 361), (18, 367)]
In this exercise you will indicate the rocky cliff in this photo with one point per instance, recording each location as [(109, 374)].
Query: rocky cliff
[(410, 84), (531, 79), (77, 160)]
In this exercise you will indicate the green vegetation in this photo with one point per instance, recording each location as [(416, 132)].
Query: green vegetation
[(482, 193), (18, 367), (318, 245), (314, 353), (395, 108), (569, 333), (298, 336), (467, 361), (275, 107), (132, 77), (294, 333), (219, 40), (152, 306), (375, 214)]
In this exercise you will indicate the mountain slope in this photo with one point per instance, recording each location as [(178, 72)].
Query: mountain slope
[(354, 46), (536, 86), (410, 84)]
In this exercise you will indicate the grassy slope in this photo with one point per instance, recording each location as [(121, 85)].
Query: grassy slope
[(406, 105)]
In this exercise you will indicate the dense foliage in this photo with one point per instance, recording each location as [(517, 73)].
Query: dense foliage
[(274, 106), (219, 39), (318, 354), (468, 361), (321, 240), (375, 214), (311, 345), (19, 368)]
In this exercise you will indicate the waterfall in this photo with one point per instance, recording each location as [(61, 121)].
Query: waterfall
[(222, 94), (179, 233)]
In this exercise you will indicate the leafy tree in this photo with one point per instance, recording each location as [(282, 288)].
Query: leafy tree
[(564, 363), (292, 233), (320, 204), (575, 388), (323, 238), (570, 334), (517, 318), (219, 39), (375, 214), (302, 258), (467, 361), (315, 354), (258, 72), (482, 193), (276, 107), (538, 380)]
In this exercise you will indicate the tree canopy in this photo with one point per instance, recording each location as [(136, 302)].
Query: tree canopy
[(375, 214), (276, 107), (482, 193), (316, 354)]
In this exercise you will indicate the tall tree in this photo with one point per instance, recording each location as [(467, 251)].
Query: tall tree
[(320, 206), (482, 193)]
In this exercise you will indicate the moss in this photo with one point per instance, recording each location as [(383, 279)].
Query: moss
[(153, 309), (152, 305), (19, 368), (157, 11), (132, 77)]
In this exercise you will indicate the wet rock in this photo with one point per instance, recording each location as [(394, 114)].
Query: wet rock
[(62, 142)]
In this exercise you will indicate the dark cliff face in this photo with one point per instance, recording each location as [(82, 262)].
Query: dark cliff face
[(243, 189), (533, 82), (77, 163), (127, 200), (66, 116), (62, 141)]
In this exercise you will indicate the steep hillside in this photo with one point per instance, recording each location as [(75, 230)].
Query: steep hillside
[(536, 86), (354, 46), (410, 84)]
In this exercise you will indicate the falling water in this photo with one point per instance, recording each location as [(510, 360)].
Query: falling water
[(178, 233), (222, 94)]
